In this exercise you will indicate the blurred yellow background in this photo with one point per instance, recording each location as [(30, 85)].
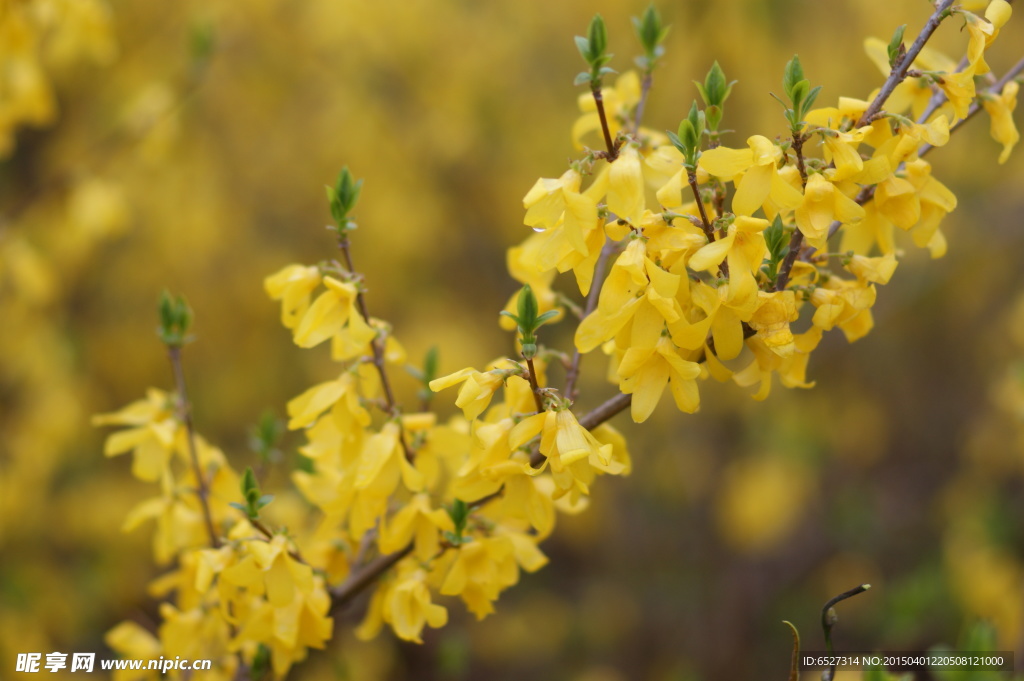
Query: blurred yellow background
[(185, 146)]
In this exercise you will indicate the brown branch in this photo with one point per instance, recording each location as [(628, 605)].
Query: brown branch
[(899, 73), (691, 177), (377, 345), (796, 242), (996, 88), (364, 576), (534, 386), (645, 88), (867, 193), (613, 151), (184, 409), (572, 374), (607, 410)]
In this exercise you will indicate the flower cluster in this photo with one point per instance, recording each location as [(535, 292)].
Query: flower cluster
[(694, 259)]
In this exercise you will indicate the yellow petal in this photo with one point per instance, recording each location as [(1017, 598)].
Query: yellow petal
[(726, 163)]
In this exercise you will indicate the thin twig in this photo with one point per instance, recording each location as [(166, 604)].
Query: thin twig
[(613, 151), (377, 345), (996, 88), (796, 242), (691, 177), (608, 409), (867, 193), (535, 387), (829, 619), (899, 73), (363, 577), (572, 375), (645, 87), (184, 409)]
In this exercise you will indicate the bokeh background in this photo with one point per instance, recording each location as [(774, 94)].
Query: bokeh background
[(185, 145)]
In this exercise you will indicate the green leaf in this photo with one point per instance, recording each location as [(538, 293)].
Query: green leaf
[(550, 314), (714, 117), (175, 319), (583, 45), (678, 143), (342, 198), (715, 89), (895, 44), (793, 74), (775, 238), (430, 363), (686, 137), (581, 78), (597, 36), (798, 93), (811, 96), (459, 513), (527, 308), (696, 118), (650, 32)]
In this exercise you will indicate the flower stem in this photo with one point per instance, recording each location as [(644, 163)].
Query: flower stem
[(868, 193), (572, 375), (613, 151), (691, 177), (535, 386), (184, 409), (645, 88), (899, 72), (377, 345), (796, 242), (363, 577)]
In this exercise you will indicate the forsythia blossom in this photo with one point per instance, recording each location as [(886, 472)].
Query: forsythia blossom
[(696, 260)]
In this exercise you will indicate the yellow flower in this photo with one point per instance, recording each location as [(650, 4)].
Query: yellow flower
[(877, 270), (478, 387), (334, 315), (823, 203), (179, 522), (936, 201), (775, 311), (841, 150), (1000, 109), (416, 520), (846, 304), (408, 606), (307, 407), (959, 90), (284, 577), (482, 569), (897, 200), (760, 185), (293, 286), (644, 372), (626, 186), (574, 453), (152, 439), (983, 33), (551, 203), (131, 641), (636, 289)]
